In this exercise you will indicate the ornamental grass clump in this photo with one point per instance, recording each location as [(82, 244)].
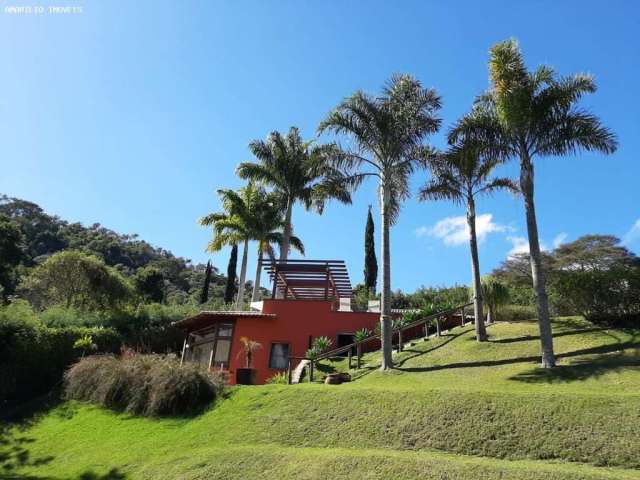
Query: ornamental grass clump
[(148, 385)]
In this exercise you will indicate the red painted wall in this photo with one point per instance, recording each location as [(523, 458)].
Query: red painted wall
[(296, 321)]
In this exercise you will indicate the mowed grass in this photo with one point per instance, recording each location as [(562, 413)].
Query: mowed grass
[(591, 359), (453, 409)]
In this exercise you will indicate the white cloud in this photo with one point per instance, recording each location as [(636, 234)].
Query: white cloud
[(559, 240), (633, 234), (422, 231), (453, 231), (521, 245)]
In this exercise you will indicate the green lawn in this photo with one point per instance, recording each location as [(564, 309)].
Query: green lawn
[(454, 409)]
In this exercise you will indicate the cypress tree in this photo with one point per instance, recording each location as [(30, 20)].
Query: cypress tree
[(230, 289), (370, 261), (204, 296)]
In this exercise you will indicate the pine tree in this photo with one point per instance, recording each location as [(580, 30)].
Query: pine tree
[(230, 289), (370, 261), (204, 296)]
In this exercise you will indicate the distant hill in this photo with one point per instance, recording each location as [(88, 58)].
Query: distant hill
[(46, 234)]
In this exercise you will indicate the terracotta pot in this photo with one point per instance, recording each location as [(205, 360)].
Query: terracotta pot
[(246, 376)]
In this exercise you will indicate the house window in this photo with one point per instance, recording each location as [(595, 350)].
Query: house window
[(222, 350), (213, 348), (279, 356)]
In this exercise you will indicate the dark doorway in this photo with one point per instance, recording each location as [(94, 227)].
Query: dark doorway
[(345, 339)]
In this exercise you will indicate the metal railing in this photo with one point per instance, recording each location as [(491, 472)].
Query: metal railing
[(438, 316)]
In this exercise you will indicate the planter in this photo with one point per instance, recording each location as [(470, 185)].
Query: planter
[(337, 378), (333, 379), (246, 376)]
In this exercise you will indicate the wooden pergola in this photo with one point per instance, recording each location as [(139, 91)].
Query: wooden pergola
[(309, 279)]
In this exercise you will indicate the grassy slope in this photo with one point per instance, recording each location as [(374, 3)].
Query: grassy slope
[(432, 417)]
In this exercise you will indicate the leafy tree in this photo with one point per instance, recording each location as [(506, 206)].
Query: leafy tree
[(459, 175), (204, 295), (597, 277), (525, 115), (299, 171), (11, 254), (76, 280), (230, 288), (360, 298), (438, 297), (593, 252), (370, 260), (149, 282), (42, 232), (388, 133)]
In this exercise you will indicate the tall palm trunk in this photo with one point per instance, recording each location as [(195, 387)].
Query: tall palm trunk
[(537, 272), (385, 304), (256, 283), (286, 240), (286, 234), (243, 275), (481, 332)]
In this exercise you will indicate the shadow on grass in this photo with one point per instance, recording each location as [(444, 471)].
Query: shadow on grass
[(527, 338), (113, 474), (15, 455), (579, 370), (413, 353)]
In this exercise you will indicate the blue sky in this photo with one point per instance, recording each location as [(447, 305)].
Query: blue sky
[(132, 114)]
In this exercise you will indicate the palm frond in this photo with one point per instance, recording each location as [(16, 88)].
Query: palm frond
[(499, 184)]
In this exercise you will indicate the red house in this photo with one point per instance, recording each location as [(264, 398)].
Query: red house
[(311, 298)]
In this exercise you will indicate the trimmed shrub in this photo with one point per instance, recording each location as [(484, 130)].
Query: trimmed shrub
[(516, 313), (148, 385)]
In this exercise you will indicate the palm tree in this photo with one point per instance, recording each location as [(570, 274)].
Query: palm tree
[(236, 224), (267, 227), (248, 348), (388, 133), (528, 114), (495, 294), (297, 170), (459, 175)]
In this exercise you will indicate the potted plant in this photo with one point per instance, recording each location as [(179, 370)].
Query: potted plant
[(247, 375)]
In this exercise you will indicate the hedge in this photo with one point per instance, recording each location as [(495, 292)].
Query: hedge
[(33, 357)]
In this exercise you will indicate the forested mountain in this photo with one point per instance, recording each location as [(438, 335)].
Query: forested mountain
[(30, 236)]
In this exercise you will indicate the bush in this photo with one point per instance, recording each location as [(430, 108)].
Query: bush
[(149, 385), (34, 357), (322, 344), (601, 296), (516, 313), (278, 379)]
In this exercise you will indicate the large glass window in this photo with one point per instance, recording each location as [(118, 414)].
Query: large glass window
[(279, 356), (221, 357), (214, 347)]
